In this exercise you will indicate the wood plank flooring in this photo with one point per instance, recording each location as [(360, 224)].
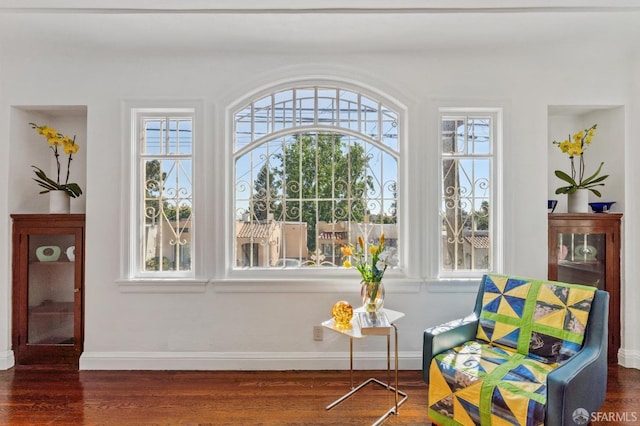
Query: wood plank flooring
[(46, 396)]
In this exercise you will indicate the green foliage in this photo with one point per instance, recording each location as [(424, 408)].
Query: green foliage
[(170, 212), (482, 217), (589, 183), (321, 177), (265, 187), (154, 179), (73, 189), (153, 264)]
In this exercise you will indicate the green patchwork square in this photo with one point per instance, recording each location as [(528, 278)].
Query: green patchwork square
[(542, 319)]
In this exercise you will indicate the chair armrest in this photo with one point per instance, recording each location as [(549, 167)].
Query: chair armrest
[(446, 336), (581, 382)]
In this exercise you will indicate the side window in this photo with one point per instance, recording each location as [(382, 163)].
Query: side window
[(315, 167), (164, 142), (467, 164)]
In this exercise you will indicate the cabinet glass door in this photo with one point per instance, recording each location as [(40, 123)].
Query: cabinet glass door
[(581, 259), (51, 289)]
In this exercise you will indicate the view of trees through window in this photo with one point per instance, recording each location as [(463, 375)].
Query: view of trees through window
[(315, 168)]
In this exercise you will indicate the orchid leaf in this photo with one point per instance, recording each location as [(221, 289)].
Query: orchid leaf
[(73, 189), (566, 190), (41, 174), (565, 177), (593, 176), (600, 179)]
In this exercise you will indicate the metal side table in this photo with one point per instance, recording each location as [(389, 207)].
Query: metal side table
[(355, 332)]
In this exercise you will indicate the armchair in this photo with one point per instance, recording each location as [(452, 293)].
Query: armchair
[(526, 355)]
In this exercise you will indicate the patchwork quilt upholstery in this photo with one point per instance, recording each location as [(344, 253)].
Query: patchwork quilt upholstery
[(527, 328)]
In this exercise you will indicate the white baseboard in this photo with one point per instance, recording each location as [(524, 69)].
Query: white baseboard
[(6, 360), (629, 358), (245, 361)]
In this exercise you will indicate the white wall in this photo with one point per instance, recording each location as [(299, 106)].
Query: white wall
[(630, 351), (269, 325)]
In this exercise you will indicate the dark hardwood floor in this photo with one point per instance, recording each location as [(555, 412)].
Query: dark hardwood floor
[(46, 396)]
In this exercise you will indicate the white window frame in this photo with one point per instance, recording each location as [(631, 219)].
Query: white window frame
[(496, 184), (238, 275), (132, 272)]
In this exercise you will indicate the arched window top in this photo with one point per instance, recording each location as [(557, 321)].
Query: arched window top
[(316, 107), (315, 168)]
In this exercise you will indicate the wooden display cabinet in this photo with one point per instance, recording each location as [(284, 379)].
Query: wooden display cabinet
[(48, 284), (584, 248)]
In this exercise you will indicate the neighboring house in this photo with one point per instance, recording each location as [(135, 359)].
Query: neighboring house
[(475, 250), (332, 236), (175, 249), (258, 242), (269, 243), (295, 244), (272, 243)]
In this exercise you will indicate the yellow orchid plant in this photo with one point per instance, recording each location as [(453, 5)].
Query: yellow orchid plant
[(575, 147), (56, 142)]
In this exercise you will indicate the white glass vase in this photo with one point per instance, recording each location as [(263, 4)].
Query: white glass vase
[(578, 202), (59, 202)]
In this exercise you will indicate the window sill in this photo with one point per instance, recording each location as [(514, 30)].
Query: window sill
[(250, 285), (309, 285)]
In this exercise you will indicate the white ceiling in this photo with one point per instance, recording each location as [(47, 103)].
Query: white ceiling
[(314, 26)]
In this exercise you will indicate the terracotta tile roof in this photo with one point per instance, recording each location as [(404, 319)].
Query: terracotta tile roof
[(478, 241), (255, 230)]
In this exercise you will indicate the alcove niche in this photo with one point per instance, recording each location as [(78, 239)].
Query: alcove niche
[(608, 146), (29, 148)]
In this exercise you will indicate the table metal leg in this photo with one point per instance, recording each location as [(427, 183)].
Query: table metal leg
[(351, 361), (396, 362), (389, 360), (398, 402)]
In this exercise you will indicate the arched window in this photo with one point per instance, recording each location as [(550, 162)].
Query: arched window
[(315, 167)]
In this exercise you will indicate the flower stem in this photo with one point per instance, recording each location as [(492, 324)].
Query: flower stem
[(581, 169), (69, 162), (55, 153), (371, 293), (68, 170)]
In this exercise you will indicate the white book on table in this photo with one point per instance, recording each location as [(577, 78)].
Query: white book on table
[(374, 323)]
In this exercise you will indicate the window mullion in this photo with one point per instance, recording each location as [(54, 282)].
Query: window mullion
[(315, 106), (253, 123)]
